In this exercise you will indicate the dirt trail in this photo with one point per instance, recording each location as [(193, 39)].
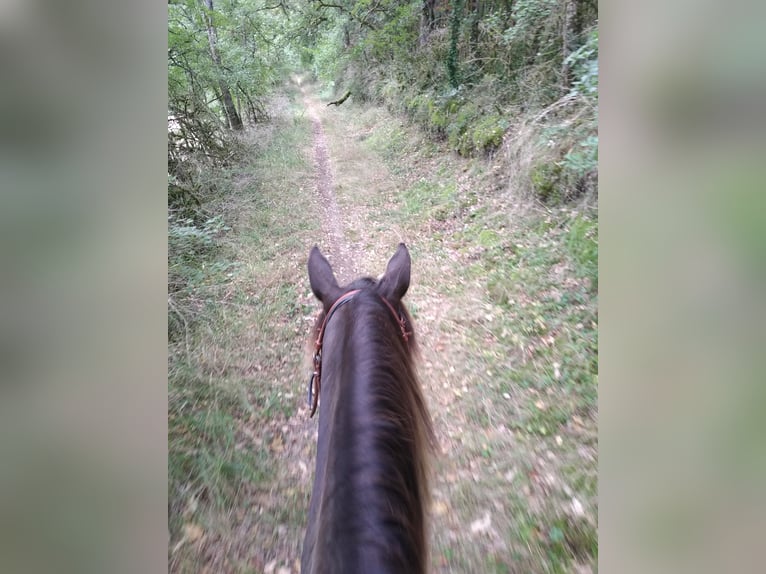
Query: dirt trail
[(332, 217), (358, 195)]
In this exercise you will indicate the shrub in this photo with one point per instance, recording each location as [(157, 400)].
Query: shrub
[(546, 182), (487, 133), (459, 125)]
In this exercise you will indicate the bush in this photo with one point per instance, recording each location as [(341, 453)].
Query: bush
[(487, 133), (546, 182), (190, 247), (459, 125)]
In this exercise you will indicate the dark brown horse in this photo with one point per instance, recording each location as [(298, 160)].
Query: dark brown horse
[(370, 497)]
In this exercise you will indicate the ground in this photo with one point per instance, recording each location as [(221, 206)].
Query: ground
[(504, 308)]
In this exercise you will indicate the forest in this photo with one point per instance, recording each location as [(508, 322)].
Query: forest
[(469, 73), (467, 129)]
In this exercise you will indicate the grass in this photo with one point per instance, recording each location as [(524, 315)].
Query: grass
[(235, 376), (524, 348)]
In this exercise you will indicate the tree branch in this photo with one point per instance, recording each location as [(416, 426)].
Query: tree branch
[(340, 101), (344, 10)]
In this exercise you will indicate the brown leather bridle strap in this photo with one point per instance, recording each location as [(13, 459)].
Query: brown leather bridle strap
[(399, 319), (316, 376)]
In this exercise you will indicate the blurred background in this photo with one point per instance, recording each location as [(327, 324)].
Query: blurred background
[(682, 270), (82, 341)]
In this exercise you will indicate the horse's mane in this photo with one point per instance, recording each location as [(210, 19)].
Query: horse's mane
[(381, 439)]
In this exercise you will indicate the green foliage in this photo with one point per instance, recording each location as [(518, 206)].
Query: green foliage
[(452, 57), (458, 127), (188, 242), (528, 17), (326, 56), (546, 182), (467, 128), (193, 261), (487, 133), (466, 73), (580, 163), (249, 64), (435, 202), (438, 117), (584, 65), (393, 40), (583, 158), (488, 238), (203, 461), (569, 169)]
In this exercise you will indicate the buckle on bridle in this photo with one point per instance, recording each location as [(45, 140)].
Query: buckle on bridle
[(314, 379)]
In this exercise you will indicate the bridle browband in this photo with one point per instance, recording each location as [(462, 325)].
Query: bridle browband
[(316, 376)]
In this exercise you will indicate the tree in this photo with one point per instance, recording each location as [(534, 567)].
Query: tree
[(235, 122)]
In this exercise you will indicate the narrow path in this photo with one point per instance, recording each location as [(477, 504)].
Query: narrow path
[(332, 216), (362, 227)]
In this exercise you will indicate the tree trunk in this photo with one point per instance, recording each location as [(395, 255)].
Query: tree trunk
[(568, 38), (452, 56), (427, 21), (235, 122)]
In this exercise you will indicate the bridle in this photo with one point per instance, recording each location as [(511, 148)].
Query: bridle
[(316, 376)]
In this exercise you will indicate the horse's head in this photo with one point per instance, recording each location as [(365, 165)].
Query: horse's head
[(392, 286)]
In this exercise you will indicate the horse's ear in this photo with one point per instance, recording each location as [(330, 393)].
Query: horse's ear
[(321, 277), (396, 281)]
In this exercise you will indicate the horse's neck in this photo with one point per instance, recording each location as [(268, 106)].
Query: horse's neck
[(357, 493)]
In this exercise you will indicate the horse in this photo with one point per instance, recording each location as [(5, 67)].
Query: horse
[(369, 503)]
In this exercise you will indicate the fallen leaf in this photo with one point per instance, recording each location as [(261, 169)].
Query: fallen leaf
[(481, 525), (577, 508), (191, 505), (193, 532), (439, 508)]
